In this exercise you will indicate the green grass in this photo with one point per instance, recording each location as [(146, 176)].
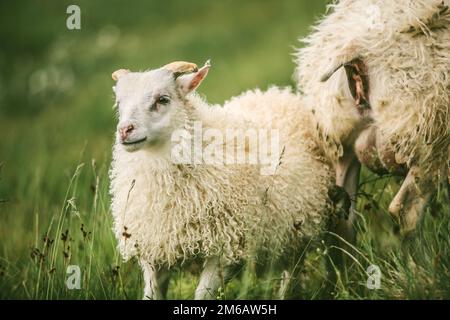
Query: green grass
[(57, 127)]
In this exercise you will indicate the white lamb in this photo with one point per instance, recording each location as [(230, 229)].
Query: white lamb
[(376, 74), (168, 213)]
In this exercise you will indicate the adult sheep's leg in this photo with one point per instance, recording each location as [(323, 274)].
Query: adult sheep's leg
[(214, 275), (410, 201), (347, 177), (156, 282), (378, 155)]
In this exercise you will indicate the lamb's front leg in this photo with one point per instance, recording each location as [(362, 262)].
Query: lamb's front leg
[(214, 275), (156, 281)]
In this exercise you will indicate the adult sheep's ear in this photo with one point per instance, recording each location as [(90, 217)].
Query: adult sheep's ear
[(118, 73), (339, 61), (191, 81)]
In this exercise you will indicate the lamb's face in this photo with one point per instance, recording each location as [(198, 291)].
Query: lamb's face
[(148, 104)]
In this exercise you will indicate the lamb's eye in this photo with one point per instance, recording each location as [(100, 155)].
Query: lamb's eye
[(163, 100)]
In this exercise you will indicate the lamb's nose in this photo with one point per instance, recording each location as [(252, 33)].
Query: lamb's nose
[(125, 131)]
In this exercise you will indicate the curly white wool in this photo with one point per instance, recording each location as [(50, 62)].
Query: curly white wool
[(406, 47), (167, 213)]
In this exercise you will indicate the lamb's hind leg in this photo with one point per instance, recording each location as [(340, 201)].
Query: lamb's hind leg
[(156, 282), (214, 275)]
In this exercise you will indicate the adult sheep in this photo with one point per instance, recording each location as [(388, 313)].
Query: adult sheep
[(168, 211), (376, 74)]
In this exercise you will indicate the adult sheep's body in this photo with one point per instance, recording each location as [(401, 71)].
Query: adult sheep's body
[(166, 213), (390, 99)]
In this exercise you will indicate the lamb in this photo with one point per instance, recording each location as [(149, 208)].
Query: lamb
[(170, 212), (376, 74)]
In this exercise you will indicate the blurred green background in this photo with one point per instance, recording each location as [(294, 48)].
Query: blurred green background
[(57, 127), (55, 83)]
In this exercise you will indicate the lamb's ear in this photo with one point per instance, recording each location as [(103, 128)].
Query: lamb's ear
[(118, 73), (191, 81)]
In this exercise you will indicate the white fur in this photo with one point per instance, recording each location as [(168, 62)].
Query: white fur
[(166, 213), (406, 47)]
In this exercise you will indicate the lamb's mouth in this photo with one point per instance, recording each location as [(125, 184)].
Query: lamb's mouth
[(129, 143)]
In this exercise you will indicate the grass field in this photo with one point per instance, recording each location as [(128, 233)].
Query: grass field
[(57, 128)]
